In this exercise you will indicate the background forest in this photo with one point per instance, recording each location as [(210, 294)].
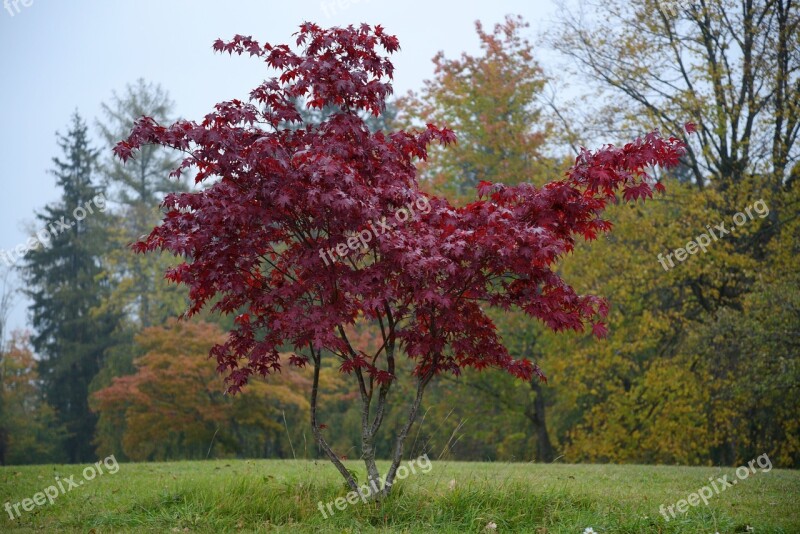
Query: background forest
[(701, 365)]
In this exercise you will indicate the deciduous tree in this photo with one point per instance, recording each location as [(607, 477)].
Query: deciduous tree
[(277, 201), (33, 433), (730, 66), (139, 290), (174, 406), (491, 101)]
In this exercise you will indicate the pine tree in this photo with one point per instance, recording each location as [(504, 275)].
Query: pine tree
[(64, 281)]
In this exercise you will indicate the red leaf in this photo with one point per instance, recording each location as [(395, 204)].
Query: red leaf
[(599, 330), (484, 188)]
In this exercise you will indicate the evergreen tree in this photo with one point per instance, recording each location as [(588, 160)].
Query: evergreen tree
[(64, 281)]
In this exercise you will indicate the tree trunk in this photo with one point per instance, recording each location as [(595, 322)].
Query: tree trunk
[(544, 448), (317, 357), (401, 438), (3, 445)]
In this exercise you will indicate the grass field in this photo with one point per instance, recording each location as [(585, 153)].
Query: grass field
[(283, 496)]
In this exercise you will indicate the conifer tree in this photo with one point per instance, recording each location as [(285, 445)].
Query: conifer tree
[(64, 281)]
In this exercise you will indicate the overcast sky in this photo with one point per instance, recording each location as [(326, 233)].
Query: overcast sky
[(59, 56)]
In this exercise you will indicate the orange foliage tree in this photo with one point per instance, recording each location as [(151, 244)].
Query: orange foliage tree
[(174, 406)]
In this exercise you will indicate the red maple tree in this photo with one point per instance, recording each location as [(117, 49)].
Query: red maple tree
[(278, 193)]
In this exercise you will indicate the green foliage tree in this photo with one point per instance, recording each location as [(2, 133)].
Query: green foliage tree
[(685, 376), (137, 188), (65, 283), (751, 352), (634, 397)]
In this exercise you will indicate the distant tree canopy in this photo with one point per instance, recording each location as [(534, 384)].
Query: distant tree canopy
[(699, 365), (730, 66)]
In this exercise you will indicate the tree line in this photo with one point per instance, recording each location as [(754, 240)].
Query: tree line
[(700, 365)]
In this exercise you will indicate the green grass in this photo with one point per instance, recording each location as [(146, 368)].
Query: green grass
[(282, 496)]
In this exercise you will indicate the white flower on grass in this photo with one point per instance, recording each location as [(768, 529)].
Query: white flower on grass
[(589, 530), (452, 485), (491, 526)]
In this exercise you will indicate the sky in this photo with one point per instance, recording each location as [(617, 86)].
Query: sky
[(57, 57)]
